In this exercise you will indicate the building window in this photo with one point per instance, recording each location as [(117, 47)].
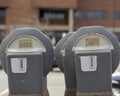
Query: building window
[(2, 16), (117, 15), (91, 15), (53, 16)]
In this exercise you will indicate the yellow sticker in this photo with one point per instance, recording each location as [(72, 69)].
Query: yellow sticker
[(27, 43), (92, 42)]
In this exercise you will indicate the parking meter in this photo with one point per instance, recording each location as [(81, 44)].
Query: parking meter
[(96, 54), (70, 81), (27, 58), (58, 50)]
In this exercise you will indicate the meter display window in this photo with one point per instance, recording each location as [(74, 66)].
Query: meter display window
[(26, 44), (92, 42)]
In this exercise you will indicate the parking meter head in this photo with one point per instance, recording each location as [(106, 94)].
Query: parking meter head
[(96, 54), (28, 40), (59, 49), (95, 38)]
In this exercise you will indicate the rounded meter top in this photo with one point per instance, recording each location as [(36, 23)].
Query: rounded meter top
[(25, 41), (95, 39), (59, 50)]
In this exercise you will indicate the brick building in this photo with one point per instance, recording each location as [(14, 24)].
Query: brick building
[(57, 16)]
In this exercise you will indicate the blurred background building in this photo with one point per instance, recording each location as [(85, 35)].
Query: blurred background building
[(57, 17)]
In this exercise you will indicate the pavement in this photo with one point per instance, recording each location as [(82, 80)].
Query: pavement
[(56, 85), (3, 83)]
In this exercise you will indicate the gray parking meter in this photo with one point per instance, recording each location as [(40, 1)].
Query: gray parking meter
[(58, 50), (27, 57), (70, 82), (96, 54)]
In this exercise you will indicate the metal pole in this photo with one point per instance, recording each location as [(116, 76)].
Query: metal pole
[(71, 20)]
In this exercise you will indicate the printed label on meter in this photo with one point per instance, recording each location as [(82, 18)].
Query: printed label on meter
[(92, 42), (27, 43), (88, 63), (19, 65)]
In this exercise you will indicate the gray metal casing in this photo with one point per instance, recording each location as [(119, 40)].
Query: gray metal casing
[(38, 64), (70, 57), (58, 55), (70, 81), (95, 81), (49, 55), (69, 70), (33, 81)]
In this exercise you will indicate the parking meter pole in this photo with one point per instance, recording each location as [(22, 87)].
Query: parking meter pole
[(45, 93), (70, 92), (95, 94)]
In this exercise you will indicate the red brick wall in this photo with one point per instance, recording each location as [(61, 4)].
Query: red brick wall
[(96, 5), (4, 3), (55, 3), (21, 12)]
